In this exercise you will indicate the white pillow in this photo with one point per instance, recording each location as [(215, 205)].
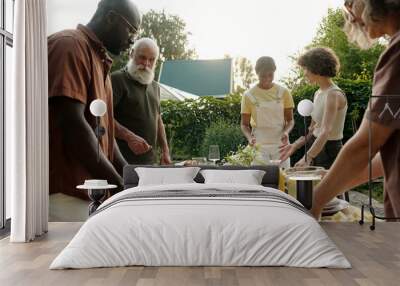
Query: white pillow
[(166, 176), (247, 177)]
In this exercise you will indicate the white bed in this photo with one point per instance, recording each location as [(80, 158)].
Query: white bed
[(207, 230)]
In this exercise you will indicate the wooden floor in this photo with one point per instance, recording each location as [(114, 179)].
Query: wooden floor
[(375, 257)]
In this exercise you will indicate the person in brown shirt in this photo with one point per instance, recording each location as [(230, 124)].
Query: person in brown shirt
[(373, 19), (79, 72)]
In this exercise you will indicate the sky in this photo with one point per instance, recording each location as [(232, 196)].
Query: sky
[(251, 28)]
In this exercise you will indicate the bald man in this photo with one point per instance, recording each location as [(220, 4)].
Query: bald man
[(79, 72), (139, 127)]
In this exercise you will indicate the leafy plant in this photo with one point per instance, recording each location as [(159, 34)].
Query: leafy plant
[(227, 136), (186, 122), (244, 156)]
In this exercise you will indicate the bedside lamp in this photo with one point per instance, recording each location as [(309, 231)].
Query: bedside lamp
[(98, 108), (305, 108)]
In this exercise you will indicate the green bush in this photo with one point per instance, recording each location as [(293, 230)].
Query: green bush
[(186, 122), (227, 136)]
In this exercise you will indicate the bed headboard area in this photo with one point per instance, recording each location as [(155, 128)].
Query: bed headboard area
[(270, 179)]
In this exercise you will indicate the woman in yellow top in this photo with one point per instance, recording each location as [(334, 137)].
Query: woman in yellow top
[(267, 114), (320, 65)]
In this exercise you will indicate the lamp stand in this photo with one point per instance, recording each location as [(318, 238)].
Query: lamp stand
[(304, 192), (99, 131), (305, 139)]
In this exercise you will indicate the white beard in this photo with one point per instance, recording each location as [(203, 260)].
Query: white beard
[(140, 73)]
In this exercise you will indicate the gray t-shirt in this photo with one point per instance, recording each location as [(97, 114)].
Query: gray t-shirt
[(136, 107)]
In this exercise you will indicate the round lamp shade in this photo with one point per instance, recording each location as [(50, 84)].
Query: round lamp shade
[(305, 107), (98, 107)]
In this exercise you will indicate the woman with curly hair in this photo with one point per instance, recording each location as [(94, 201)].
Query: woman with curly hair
[(320, 65), (375, 18)]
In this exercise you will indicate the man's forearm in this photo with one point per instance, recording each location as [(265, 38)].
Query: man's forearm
[(302, 140), (341, 176), (119, 160), (246, 131), (318, 145), (122, 132), (82, 141), (288, 126), (363, 177), (162, 137)]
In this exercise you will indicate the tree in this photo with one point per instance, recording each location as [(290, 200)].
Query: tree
[(356, 64), (169, 31), (243, 74)]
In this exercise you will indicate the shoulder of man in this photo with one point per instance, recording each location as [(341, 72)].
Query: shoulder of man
[(155, 87), (67, 39), (284, 91), (120, 83), (118, 74), (155, 84), (387, 70), (391, 54), (249, 91)]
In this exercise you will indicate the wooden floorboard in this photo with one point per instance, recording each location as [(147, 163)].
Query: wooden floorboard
[(374, 255)]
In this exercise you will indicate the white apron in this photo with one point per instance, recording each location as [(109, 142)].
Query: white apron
[(269, 130)]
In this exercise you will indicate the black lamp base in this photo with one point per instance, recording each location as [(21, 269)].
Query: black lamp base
[(304, 190), (96, 196)]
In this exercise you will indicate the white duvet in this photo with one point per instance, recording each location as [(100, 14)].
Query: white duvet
[(200, 231)]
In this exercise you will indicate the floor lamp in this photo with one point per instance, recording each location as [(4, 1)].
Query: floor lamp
[(98, 108), (304, 186), (305, 108)]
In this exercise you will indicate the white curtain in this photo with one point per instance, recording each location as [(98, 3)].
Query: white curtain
[(27, 173)]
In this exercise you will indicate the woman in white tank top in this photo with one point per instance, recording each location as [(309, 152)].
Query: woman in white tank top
[(320, 65)]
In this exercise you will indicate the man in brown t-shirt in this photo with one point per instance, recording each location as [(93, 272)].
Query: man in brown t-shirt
[(382, 120), (79, 67), (385, 111)]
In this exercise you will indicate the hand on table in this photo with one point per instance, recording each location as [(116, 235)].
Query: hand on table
[(302, 163), (165, 159)]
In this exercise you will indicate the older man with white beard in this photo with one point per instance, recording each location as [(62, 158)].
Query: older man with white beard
[(138, 123)]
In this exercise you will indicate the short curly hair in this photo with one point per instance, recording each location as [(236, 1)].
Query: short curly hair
[(265, 64), (320, 61)]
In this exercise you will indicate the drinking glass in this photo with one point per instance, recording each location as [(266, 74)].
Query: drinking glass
[(274, 159), (213, 154)]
